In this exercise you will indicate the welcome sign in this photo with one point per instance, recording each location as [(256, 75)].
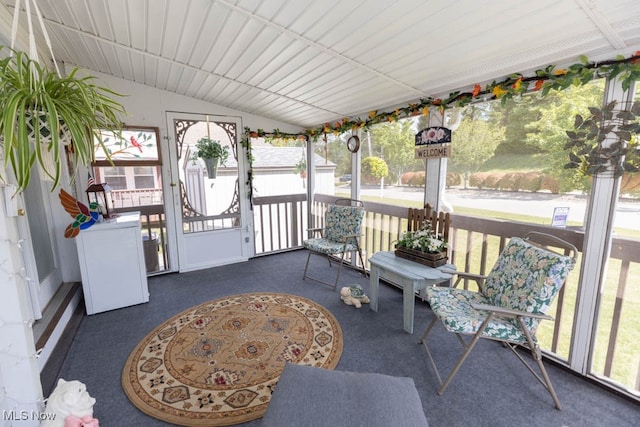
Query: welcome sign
[(433, 142)]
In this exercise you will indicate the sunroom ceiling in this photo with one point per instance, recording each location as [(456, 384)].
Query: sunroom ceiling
[(306, 62)]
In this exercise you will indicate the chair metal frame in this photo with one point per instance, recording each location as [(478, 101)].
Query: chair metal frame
[(541, 240), (350, 238)]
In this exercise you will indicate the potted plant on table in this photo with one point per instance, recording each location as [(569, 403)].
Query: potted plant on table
[(423, 246), (43, 113), (213, 153)]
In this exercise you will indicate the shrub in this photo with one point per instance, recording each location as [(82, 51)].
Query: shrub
[(477, 180), (417, 179), (510, 181), (551, 184), (531, 181), (630, 184), (492, 180), (453, 179), (373, 169), (406, 177)]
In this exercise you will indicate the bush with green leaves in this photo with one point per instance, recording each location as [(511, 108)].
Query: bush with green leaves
[(406, 177), (531, 181), (453, 179), (374, 169)]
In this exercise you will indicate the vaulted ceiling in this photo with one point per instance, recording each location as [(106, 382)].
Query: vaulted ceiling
[(306, 62)]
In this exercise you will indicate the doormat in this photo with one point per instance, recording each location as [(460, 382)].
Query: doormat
[(216, 364)]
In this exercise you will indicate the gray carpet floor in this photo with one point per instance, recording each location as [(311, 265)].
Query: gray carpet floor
[(491, 389)]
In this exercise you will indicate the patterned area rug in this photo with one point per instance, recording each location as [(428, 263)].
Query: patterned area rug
[(217, 363)]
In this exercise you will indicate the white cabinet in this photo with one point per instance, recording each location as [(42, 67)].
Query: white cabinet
[(112, 264)]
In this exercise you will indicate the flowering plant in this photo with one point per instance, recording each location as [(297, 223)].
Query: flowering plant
[(424, 239)]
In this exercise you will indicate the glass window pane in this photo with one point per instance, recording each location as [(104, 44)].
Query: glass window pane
[(133, 144), (209, 189)]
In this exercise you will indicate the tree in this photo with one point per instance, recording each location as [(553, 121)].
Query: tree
[(549, 132), (514, 115), (335, 150), (374, 169), (473, 143), (396, 143)]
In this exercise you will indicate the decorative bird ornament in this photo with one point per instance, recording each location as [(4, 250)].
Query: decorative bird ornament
[(83, 217)]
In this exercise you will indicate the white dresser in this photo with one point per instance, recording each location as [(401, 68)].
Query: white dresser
[(112, 264)]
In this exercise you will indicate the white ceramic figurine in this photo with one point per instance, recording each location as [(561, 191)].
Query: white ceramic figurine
[(71, 404)]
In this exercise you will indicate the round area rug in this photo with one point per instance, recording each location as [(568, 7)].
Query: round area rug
[(217, 363)]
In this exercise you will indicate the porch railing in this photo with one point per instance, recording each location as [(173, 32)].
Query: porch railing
[(474, 247), (154, 235), (280, 222)]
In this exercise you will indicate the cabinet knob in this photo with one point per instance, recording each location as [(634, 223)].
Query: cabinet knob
[(21, 212)]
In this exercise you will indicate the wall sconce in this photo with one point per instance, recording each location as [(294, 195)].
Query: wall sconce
[(101, 194)]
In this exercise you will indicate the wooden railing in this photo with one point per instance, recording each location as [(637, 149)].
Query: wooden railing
[(474, 247), (280, 222), (137, 197)]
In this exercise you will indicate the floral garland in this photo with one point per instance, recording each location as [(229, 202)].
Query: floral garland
[(246, 143), (544, 80)]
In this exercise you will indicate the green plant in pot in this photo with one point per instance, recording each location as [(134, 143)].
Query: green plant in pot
[(43, 114), (213, 153)]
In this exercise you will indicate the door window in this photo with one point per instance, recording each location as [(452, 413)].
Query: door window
[(210, 194)]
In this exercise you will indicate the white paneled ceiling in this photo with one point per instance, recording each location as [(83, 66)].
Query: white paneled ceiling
[(307, 62)]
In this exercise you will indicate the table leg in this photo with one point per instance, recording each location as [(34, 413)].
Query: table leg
[(409, 297), (374, 281)]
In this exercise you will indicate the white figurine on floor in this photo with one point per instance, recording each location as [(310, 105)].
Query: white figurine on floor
[(353, 295), (71, 405)]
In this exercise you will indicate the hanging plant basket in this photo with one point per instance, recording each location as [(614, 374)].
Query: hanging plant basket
[(213, 153), (42, 112), (41, 139), (212, 167)]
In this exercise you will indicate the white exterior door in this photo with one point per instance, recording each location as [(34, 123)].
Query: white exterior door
[(212, 212)]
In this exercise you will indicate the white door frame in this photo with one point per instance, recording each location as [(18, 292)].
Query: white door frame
[(205, 249)]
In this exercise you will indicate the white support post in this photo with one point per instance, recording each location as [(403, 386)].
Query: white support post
[(356, 172), (436, 171), (311, 183), (596, 249)]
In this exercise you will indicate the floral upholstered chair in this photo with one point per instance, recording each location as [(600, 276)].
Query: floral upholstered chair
[(511, 302), (340, 235)]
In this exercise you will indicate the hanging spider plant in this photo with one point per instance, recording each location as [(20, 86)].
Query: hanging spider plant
[(42, 114)]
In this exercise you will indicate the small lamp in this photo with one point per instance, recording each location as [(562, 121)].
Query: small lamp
[(101, 194)]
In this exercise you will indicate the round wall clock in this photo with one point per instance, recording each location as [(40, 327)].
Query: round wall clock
[(353, 143)]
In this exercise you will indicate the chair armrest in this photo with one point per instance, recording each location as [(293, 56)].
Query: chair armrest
[(507, 312), (319, 231), (478, 278), (349, 236), (353, 235)]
